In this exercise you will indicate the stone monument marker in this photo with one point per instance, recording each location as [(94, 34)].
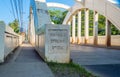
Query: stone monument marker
[(57, 43)]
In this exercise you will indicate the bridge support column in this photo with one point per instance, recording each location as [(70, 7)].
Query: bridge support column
[(79, 28), (69, 23), (31, 28), (86, 25), (108, 33), (73, 29), (95, 30)]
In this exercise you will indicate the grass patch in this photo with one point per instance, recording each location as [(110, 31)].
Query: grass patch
[(68, 70)]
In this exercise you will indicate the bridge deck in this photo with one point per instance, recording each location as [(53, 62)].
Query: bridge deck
[(101, 61), (25, 63)]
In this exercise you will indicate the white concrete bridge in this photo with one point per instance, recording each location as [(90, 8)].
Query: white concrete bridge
[(39, 17), (73, 18), (39, 22)]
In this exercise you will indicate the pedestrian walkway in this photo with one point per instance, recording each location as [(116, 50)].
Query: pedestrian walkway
[(25, 63), (101, 61)]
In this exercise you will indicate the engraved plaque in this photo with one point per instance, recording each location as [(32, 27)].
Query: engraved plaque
[(58, 39)]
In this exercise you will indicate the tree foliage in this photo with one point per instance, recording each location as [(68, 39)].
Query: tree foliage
[(1, 21), (15, 26), (57, 16)]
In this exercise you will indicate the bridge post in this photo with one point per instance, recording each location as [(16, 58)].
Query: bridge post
[(69, 23), (86, 25), (29, 32), (108, 33), (2, 41), (73, 29), (29, 27), (95, 30), (79, 27), (32, 29)]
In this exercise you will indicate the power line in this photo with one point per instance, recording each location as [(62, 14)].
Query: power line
[(19, 4), (16, 9), (12, 8), (21, 15)]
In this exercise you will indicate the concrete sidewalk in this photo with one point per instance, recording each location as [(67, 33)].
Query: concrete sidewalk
[(25, 63)]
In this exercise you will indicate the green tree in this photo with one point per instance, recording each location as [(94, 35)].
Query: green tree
[(1, 21), (91, 23), (57, 16), (101, 25), (82, 22), (114, 30), (15, 26)]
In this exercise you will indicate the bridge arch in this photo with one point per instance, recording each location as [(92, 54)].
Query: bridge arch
[(104, 7), (59, 5)]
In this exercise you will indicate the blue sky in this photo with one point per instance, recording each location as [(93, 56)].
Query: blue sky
[(67, 2), (7, 16), (6, 13)]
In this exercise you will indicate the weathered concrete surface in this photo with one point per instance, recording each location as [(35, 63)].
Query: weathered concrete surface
[(9, 40), (57, 43), (2, 38), (26, 63), (56, 51), (100, 61), (115, 40), (12, 40)]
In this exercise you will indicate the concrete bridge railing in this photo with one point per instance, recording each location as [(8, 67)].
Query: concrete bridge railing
[(115, 40), (9, 40)]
